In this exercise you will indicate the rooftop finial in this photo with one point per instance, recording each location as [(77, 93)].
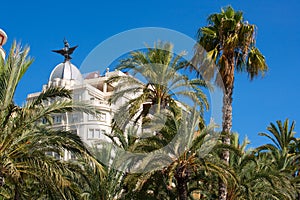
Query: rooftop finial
[(66, 51)]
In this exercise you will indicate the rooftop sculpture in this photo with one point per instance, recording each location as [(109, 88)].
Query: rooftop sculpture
[(66, 51)]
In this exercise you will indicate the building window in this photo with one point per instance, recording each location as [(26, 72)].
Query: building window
[(51, 101), (73, 156), (90, 134), (97, 133), (44, 121), (93, 134), (56, 156), (57, 119), (77, 97), (103, 134), (92, 117), (53, 154), (102, 117), (74, 118)]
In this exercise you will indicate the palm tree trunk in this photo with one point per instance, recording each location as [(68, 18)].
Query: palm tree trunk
[(182, 188), (17, 194), (2, 181), (226, 129), (158, 105), (227, 121), (295, 175)]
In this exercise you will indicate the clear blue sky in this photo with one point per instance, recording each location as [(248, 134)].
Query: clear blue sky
[(44, 24)]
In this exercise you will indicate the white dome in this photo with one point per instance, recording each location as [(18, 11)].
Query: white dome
[(66, 71)]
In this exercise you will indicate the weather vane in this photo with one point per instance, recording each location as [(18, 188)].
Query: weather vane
[(66, 51)]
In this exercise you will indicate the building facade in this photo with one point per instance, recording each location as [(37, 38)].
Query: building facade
[(91, 89)]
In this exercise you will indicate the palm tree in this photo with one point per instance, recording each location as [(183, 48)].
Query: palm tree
[(256, 177), (188, 162), (107, 187), (283, 144), (230, 45), (284, 158), (148, 186), (25, 142), (282, 137), (162, 84)]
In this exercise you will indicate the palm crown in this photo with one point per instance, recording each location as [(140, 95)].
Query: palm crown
[(230, 44), (162, 84)]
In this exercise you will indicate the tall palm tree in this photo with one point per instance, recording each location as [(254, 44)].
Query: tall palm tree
[(229, 42), (156, 82), (25, 141)]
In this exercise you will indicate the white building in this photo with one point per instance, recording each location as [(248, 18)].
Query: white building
[(91, 89)]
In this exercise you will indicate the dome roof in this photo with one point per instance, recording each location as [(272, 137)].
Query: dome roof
[(66, 71)]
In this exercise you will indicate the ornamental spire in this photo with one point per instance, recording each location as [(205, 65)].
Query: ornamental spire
[(66, 51)]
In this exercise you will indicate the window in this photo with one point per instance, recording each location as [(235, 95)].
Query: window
[(102, 117), (103, 132), (49, 153), (92, 117), (56, 156), (90, 134), (51, 101), (93, 134), (57, 119), (74, 131), (73, 157), (97, 133), (77, 97), (74, 118), (44, 121), (53, 154)]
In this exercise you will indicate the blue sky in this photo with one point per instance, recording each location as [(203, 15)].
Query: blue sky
[(43, 25)]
